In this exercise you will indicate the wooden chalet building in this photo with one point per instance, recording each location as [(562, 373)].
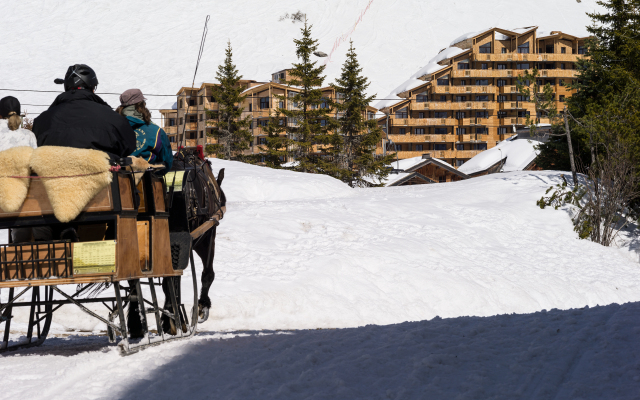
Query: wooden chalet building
[(471, 103)]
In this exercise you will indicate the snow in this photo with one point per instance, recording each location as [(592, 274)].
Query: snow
[(457, 259), (518, 153)]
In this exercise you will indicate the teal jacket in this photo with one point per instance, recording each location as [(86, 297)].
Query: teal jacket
[(152, 144)]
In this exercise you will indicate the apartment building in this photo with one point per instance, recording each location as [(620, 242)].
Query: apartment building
[(262, 102), (471, 103)]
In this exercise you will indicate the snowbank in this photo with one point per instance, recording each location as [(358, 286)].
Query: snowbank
[(518, 152)]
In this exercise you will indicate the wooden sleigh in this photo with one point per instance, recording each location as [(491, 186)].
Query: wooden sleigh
[(123, 242)]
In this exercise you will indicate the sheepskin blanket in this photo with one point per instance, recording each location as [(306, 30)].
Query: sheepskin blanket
[(13, 191), (68, 193)]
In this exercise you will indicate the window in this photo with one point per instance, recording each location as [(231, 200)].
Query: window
[(561, 98), (539, 82), (502, 66), (461, 131), (282, 75), (480, 146), (463, 82), (443, 81), (402, 113), (172, 122), (421, 98), (201, 117), (523, 114), (582, 50), (523, 48), (502, 114), (440, 114), (264, 102), (192, 118), (181, 104), (502, 98), (192, 135), (463, 65), (549, 49), (323, 122), (212, 99), (402, 131), (419, 131), (523, 65), (262, 140), (442, 179), (561, 82), (250, 107), (482, 82), (201, 134), (281, 104), (459, 163), (504, 50), (418, 147), (501, 82), (460, 114), (201, 100), (502, 131), (398, 147), (440, 131), (443, 98), (485, 48), (440, 146), (172, 139), (461, 98), (482, 131), (484, 66), (181, 121), (459, 146), (563, 50), (482, 98), (521, 98), (482, 114), (420, 115), (192, 102), (562, 66)]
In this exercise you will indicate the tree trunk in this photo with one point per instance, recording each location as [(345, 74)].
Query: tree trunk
[(571, 160)]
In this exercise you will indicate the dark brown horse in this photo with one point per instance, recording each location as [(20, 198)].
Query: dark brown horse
[(195, 212)]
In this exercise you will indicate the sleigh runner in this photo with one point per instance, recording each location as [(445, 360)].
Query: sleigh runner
[(126, 237)]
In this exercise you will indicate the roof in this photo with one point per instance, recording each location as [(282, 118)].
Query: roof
[(515, 155), (398, 178), (415, 163)]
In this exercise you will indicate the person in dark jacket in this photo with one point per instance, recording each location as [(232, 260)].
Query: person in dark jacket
[(81, 119), (152, 142)]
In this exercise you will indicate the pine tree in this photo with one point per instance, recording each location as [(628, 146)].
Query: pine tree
[(308, 123), (230, 127), (353, 149)]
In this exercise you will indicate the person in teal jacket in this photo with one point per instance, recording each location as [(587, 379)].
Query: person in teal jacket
[(152, 142)]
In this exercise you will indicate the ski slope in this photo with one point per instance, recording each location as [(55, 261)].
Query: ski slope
[(431, 291), (153, 45)]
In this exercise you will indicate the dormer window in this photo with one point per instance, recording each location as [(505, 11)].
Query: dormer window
[(524, 48), (485, 48)]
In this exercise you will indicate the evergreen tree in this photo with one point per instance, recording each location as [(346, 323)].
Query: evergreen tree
[(353, 149), (230, 127), (308, 122), (276, 149)]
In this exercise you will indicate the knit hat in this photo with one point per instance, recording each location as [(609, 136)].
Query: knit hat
[(131, 96), (9, 104)]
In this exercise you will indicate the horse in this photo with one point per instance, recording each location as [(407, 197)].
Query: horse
[(203, 203)]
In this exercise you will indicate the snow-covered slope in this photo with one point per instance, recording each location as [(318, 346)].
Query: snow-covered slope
[(153, 45)]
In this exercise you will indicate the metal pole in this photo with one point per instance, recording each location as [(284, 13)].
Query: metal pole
[(571, 160)]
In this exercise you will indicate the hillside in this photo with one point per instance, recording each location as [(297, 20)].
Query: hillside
[(153, 45)]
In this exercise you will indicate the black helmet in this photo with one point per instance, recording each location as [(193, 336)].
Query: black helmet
[(79, 76)]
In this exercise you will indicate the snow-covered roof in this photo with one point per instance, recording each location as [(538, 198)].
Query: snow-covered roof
[(516, 153), (172, 105)]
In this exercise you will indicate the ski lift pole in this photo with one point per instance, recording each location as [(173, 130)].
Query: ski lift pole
[(202, 41)]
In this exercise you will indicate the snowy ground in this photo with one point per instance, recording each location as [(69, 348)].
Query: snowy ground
[(297, 252), (153, 45)]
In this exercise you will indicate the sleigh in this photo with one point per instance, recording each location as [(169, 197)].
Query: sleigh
[(121, 240)]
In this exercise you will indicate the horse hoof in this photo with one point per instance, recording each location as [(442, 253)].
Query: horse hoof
[(203, 313)]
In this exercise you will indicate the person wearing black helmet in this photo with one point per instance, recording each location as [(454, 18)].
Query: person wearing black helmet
[(79, 118)]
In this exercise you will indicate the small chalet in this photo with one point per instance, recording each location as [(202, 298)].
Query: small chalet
[(422, 170)]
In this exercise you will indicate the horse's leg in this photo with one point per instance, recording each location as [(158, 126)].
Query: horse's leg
[(206, 250)]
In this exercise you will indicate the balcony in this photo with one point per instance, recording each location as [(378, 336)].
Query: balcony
[(471, 138), (191, 126), (441, 154), (422, 121), (513, 121), (558, 73), (191, 110), (509, 89), (170, 130), (410, 138), (517, 57), (450, 105), (518, 105), (463, 89), (487, 73)]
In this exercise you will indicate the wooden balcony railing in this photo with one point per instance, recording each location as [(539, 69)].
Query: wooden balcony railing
[(170, 130), (441, 154), (422, 121), (517, 57), (454, 105), (487, 73), (463, 89)]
